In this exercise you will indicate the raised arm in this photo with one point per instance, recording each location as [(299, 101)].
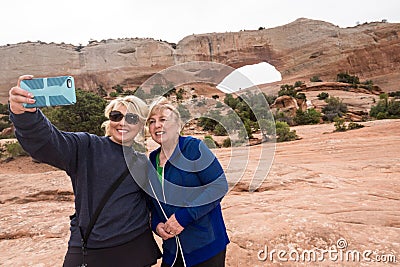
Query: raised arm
[(38, 136)]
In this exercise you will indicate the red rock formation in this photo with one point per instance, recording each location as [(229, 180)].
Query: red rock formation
[(299, 50)]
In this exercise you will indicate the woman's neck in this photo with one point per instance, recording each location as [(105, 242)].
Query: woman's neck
[(166, 151)]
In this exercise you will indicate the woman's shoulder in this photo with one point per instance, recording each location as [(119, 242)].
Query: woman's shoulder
[(189, 140)]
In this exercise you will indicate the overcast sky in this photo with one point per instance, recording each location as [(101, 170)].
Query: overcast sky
[(78, 21)]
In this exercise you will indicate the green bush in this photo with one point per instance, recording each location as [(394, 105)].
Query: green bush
[(368, 84), (334, 108), (231, 101), (14, 149), (385, 108), (310, 116), (323, 96), (113, 94), (340, 126), (395, 94), (287, 90), (315, 79), (298, 84), (284, 133), (227, 142), (220, 130), (301, 96), (347, 78), (3, 109), (270, 98), (209, 141), (118, 89), (4, 125), (101, 91), (353, 125)]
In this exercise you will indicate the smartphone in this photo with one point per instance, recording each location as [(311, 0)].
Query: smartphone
[(51, 91)]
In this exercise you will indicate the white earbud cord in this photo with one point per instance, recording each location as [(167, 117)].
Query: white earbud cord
[(166, 218)]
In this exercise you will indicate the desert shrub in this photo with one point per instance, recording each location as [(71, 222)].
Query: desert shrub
[(209, 141), (334, 108), (353, 125), (395, 94), (270, 98), (368, 84), (298, 84), (118, 89), (281, 116), (14, 149), (227, 142), (284, 133), (4, 125), (113, 94), (287, 90), (315, 79), (101, 91), (347, 78), (301, 96), (220, 130), (128, 92), (385, 108), (310, 116), (340, 126), (323, 96), (231, 101), (3, 109), (208, 124), (86, 115)]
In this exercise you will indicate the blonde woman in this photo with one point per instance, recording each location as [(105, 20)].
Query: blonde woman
[(187, 193), (121, 235)]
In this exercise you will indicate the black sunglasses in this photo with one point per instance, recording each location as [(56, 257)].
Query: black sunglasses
[(117, 116)]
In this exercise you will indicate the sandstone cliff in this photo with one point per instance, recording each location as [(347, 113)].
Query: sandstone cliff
[(299, 50)]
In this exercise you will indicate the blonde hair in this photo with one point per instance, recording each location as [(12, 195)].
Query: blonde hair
[(159, 105), (133, 104)]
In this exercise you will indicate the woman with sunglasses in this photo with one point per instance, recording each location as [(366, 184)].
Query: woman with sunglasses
[(121, 235), (186, 189)]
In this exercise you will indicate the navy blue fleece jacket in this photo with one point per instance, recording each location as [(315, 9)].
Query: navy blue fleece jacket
[(93, 163)]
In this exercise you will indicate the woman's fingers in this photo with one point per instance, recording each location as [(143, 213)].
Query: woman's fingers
[(18, 97), (162, 232), (24, 77)]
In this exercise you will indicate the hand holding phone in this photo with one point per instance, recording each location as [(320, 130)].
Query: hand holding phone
[(51, 91)]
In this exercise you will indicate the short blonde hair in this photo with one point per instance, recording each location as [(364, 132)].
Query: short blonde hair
[(133, 104), (159, 105)]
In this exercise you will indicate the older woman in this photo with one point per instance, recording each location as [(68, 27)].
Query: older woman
[(187, 213), (121, 236)]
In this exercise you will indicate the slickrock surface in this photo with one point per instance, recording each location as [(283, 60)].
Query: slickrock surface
[(322, 188)]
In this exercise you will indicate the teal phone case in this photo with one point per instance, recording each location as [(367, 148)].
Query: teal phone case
[(52, 91)]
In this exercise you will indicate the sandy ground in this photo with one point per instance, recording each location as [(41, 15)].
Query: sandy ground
[(337, 193)]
